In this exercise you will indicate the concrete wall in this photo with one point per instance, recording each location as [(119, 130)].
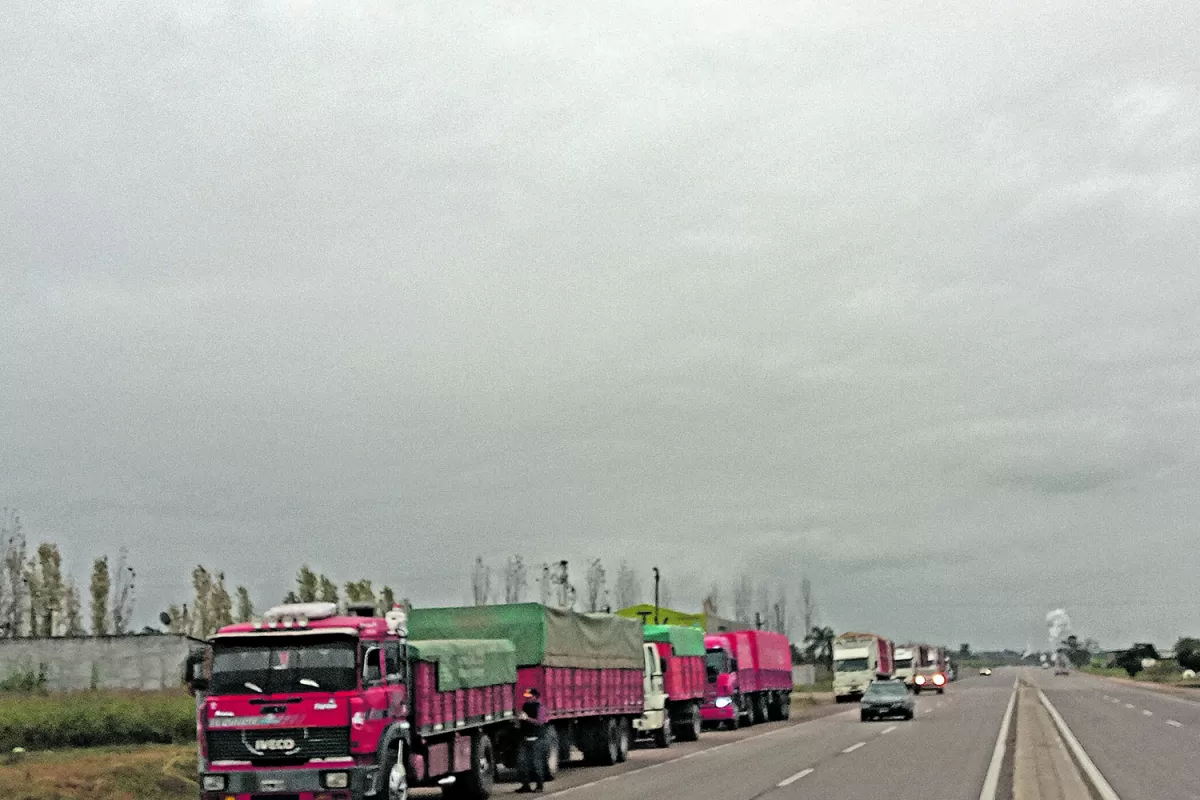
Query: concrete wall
[(804, 674), (101, 662)]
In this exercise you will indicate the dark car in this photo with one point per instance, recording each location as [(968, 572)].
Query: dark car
[(886, 699)]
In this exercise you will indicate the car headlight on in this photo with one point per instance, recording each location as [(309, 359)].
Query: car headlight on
[(723, 702), (337, 780), (214, 783)]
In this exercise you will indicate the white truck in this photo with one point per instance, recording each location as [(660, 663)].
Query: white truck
[(906, 661), (858, 659)]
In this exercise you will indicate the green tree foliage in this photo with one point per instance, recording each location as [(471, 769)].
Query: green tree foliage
[(307, 585), (99, 588), (202, 610), (43, 576), (1131, 660), (1187, 653), (245, 608), (964, 651), (72, 611), (328, 591), (1076, 653), (819, 646), (360, 591), (387, 599), (220, 604), (13, 589)]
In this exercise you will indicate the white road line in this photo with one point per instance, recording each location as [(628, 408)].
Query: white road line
[(1147, 712), (991, 781), (929, 711), (1174, 724), (1129, 705), (854, 747), (887, 730), (794, 778), (1085, 762)]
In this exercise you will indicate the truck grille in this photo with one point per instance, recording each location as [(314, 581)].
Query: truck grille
[(274, 745)]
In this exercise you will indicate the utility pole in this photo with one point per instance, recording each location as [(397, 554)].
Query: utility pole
[(758, 620), (656, 580)]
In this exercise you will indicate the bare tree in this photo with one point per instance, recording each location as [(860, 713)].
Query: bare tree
[(221, 604), (712, 601), (629, 586), (13, 588), (545, 585), (481, 582), (515, 580), (664, 593), (810, 605), (743, 599), (202, 621), (595, 582), (780, 616), (562, 588), (124, 578)]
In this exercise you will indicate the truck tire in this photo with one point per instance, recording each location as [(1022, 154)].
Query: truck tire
[(759, 708), (689, 728), (393, 777), (607, 745), (786, 710), (664, 735), (551, 751), (624, 737), (477, 782)]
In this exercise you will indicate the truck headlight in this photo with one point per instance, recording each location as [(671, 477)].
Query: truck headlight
[(214, 783), (337, 780), (722, 702)]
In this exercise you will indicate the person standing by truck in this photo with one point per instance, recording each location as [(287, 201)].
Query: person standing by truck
[(531, 761)]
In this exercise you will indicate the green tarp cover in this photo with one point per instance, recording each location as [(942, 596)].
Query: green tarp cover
[(467, 663), (542, 636), (684, 641)]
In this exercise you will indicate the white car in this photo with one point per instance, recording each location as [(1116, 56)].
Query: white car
[(985, 671)]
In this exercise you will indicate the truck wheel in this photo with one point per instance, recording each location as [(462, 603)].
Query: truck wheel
[(551, 751), (663, 736), (477, 782), (608, 746), (785, 706), (761, 711), (623, 738), (689, 730), (862, 716)]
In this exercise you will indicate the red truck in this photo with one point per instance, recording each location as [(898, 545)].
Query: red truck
[(749, 678), (674, 684), (931, 672), (311, 704), (588, 669)]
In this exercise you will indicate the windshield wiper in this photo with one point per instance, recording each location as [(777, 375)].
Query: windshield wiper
[(254, 687), (309, 682)]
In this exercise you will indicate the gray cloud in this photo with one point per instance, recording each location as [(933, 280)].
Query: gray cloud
[(900, 298)]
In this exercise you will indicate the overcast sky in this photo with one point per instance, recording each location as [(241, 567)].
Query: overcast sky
[(898, 295)]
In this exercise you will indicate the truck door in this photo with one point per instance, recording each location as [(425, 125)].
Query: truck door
[(652, 677)]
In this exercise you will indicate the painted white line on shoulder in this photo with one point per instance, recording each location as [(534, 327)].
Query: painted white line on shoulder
[(991, 780), (1174, 724), (1103, 789), (887, 730), (1147, 712), (794, 778), (854, 747)]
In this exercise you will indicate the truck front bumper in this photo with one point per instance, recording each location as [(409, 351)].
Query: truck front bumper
[(307, 783)]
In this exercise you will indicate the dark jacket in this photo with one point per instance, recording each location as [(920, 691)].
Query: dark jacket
[(535, 718)]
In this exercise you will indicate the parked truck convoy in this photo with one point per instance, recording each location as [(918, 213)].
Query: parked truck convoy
[(312, 703), (749, 678), (588, 668), (674, 684), (858, 659)]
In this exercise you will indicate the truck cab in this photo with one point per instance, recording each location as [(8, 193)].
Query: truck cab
[(722, 697), (905, 669), (655, 720)]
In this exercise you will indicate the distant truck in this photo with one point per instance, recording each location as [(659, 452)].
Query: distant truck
[(932, 672), (311, 703), (907, 657), (858, 659), (749, 678), (674, 684), (589, 669)]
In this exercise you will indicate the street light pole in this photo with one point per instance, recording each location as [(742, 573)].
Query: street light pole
[(656, 579)]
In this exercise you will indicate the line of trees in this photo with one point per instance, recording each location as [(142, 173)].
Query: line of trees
[(753, 601), (37, 598)]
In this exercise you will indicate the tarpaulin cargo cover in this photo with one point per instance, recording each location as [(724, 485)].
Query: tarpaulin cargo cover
[(468, 663), (684, 641), (541, 635)]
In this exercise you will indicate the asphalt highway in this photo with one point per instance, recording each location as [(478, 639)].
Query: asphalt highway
[(944, 753)]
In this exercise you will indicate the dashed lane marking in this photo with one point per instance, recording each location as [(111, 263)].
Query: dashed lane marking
[(790, 780), (1174, 724), (854, 747)]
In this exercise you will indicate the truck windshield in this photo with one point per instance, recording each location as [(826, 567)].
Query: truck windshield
[(850, 665), (903, 663), (256, 666), (716, 662)]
